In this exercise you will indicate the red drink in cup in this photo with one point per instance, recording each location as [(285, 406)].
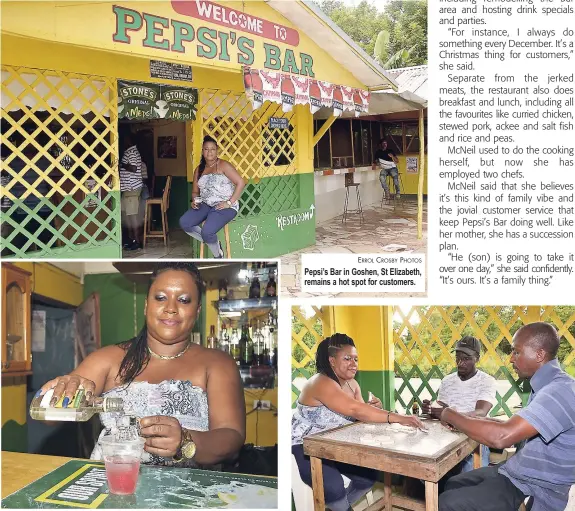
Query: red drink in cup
[(122, 474), (122, 459)]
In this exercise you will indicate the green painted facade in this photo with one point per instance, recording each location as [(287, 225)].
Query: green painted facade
[(15, 437), (180, 196), (72, 229), (265, 227), (380, 384)]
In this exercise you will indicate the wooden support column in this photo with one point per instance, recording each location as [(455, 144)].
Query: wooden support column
[(323, 130), (421, 176)]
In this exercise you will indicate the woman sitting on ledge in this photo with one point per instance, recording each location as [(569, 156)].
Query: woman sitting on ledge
[(216, 189)]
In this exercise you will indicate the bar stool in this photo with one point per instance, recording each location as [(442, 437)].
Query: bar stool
[(164, 203), (349, 182), (390, 185), (228, 253)]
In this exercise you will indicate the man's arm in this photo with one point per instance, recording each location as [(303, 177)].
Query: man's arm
[(488, 432), (481, 409)]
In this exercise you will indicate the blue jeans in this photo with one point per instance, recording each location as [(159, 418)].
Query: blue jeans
[(394, 173), (337, 496), (467, 463), (214, 218)]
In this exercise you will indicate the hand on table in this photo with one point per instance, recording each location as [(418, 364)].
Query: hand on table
[(163, 435), (67, 386), (411, 421)]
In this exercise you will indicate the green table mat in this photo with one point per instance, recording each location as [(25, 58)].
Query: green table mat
[(82, 484)]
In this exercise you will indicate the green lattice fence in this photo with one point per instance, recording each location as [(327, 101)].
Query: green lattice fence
[(424, 338)]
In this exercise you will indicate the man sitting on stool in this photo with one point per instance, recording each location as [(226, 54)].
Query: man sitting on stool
[(387, 160)]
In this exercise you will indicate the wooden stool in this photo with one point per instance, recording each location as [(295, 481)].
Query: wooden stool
[(228, 254), (164, 203), (349, 182), (392, 196)]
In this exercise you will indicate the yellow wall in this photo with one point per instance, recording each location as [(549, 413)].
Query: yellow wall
[(54, 283), (169, 166), (14, 400), (411, 181), (370, 329), (267, 421), (93, 25)]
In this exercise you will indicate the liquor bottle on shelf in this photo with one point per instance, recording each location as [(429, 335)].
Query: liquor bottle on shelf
[(271, 288), (259, 346), (246, 347), (78, 410), (212, 341), (255, 288), (235, 346), (224, 344), (223, 289)]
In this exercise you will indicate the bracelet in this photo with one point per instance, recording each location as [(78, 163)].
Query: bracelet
[(388, 414)]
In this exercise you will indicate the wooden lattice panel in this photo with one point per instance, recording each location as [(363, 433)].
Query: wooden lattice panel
[(309, 328), (60, 184), (256, 150)]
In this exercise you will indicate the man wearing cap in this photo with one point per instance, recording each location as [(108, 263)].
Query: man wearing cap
[(469, 391), (544, 468)]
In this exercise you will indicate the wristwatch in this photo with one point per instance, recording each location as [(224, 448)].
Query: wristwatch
[(187, 448), (229, 203)]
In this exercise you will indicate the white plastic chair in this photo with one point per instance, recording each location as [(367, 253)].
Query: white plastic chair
[(303, 494)]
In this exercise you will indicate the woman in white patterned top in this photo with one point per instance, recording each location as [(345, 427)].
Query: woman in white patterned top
[(216, 190), (330, 399), (189, 399)]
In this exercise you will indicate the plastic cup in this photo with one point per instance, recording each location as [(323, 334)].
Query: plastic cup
[(122, 459)]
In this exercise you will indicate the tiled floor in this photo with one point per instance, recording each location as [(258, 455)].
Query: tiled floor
[(391, 228), (178, 247)]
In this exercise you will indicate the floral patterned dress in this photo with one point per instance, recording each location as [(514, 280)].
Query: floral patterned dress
[(175, 398)]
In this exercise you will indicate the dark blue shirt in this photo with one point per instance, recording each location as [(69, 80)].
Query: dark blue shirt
[(545, 466)]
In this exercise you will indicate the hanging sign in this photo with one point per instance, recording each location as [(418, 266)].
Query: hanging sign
[(137, 100), (181, 103), (289, 90), (278, 123), (170, 71), (411, 164)]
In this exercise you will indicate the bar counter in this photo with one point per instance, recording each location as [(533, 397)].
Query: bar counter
[(36, 481)]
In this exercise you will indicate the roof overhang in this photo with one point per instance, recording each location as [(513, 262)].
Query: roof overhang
[(311, 21)]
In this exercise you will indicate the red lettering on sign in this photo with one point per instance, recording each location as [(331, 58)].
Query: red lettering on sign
[(236, 20)]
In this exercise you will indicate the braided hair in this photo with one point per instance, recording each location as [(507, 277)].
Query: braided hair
[(202, 165), (137, 356), (328, 348)]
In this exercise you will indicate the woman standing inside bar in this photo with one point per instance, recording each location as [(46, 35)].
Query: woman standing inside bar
[(330, 399), (189, 399), (216, 190)]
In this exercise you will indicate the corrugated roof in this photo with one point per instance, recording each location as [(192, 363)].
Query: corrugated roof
[(411, 79)]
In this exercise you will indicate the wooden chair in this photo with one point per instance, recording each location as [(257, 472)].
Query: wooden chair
[(228, 253), (164, 203)]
